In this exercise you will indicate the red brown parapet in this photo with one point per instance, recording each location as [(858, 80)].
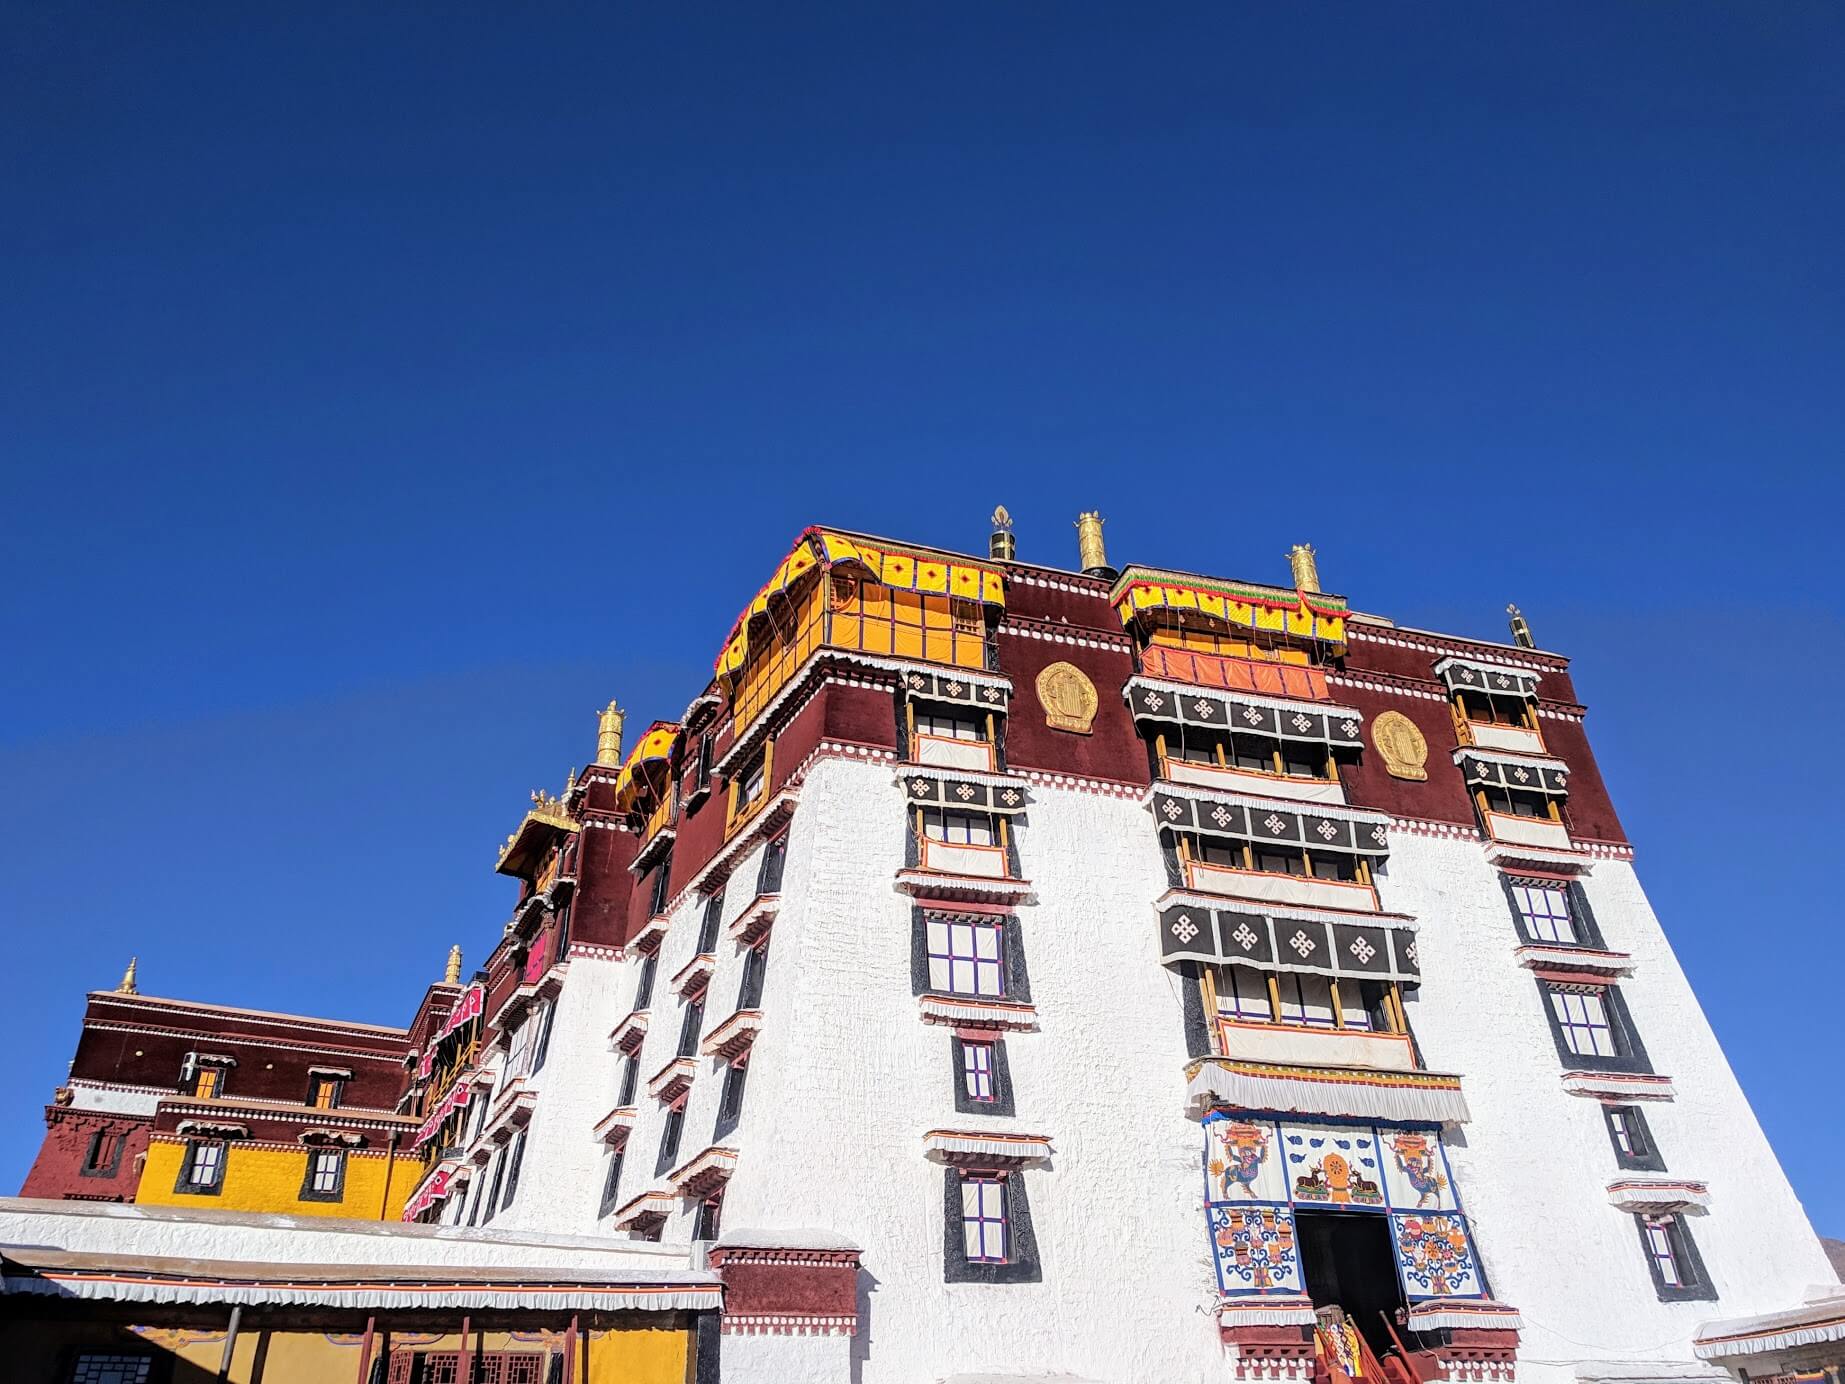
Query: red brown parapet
[(787, 1282)]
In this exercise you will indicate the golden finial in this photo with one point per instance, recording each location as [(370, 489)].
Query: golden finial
[(128, 986), (452, 974), (1000, 544), (1521, 632), (608, 734), (1306, 570), (1092, 557)]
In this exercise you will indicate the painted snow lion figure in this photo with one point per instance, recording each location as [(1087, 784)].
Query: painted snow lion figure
[(1416, 1160), (1243, 1148)]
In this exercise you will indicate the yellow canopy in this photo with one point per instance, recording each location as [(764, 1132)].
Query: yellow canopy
[(894, 567), (1304, 614), (656, 746)]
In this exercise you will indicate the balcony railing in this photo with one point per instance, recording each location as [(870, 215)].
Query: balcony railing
[(1528, 831), (1269, 887), (1252, 781), (1299, 1045)]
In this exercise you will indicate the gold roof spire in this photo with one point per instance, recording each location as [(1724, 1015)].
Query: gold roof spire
[(1306, 570), (1091, 555), (452, 975), (128, 985), (608, 734)]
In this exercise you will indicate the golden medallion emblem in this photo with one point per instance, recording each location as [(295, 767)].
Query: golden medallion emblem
[(1068, 697), (1403, 747)]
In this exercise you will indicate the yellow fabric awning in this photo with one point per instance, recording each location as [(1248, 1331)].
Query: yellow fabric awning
[(655, 747), (1303, 614), (894, 567)]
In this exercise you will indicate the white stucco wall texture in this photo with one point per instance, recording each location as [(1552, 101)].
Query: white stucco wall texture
[(845, 1078)]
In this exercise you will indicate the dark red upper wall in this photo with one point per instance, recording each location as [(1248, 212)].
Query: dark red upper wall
[(143, 1041)]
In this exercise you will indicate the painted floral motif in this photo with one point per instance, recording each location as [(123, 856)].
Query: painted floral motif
[(1255, 1248), (1433, 1256)]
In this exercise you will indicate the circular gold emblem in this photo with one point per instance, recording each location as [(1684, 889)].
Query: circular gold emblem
[(1403, 747), (1068, 698)]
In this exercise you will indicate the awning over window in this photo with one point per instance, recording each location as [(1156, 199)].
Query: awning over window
[(1462, 676), (1319, 828), (1193, 707), (1303, 614), (899, 568), (1482, 768), (655, 747), (1281, 942), (988, 693), (971, 793)]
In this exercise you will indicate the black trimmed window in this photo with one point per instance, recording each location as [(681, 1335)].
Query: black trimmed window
[(987, 1230), (201, 1170), (208, 1078), (689, 1027), (611, 1181), (670, 1133), (1551, 912), (730, 1099), (974, 955), (325, 1178), (630, 1080), (1634, 1148), (491, 1206), (103, 1158), (325, 1092), (1673, 1260), (710, 1214), (662, 880), (515, 1160), (982, 1076), (774, 859), (708, 925), (643, 986), (755, 968), (1592, 1027)]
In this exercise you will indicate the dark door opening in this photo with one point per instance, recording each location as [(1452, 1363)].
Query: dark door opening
[(1347, 1259)]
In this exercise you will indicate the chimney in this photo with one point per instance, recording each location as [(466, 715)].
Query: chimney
[(1000, 545), (1306, 570), (608, 734), (1090, 552), (1521, 632), (452, 975)]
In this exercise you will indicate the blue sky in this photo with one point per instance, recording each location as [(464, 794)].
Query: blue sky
[(382, 393)]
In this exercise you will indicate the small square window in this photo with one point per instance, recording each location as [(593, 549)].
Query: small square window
[(1582, 1018), (983, 1219), (966, 958), (326, 1175), (1672, 1258), (1545, 912), (1632, 1140), (977, 1071), (209, 1084), (326, 1093), (201, 1171)]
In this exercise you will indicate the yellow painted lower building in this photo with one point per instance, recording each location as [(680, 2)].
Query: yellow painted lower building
[(240, 1175)]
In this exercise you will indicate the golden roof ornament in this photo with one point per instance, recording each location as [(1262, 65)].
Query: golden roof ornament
[(608, 734), (451, 974), (1091, 556), (128, 985), (1000, 543), (1521, 632), (1306, 570)]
